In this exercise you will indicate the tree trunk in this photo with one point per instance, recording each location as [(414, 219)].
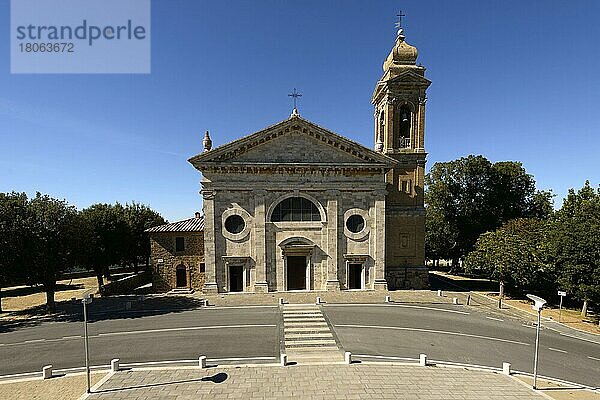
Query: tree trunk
[(100, 280), (135, 266), (0, 299), (501, 289), (584, 308), (50, 303), (147, 263), (454, 265)]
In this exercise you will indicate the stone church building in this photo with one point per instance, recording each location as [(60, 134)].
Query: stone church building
[(296, 206)]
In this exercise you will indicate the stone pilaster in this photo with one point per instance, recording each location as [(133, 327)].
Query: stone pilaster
[(260, 285), (333, 282), (379, 283), (210, 262)]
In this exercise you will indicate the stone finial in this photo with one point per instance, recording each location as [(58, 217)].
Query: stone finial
[(197, 214), (207, 142)]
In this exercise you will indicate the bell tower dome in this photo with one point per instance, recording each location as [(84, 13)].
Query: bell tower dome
[(399, 101)]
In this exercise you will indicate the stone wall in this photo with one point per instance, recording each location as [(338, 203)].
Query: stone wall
[(165, 259), (407, 277)]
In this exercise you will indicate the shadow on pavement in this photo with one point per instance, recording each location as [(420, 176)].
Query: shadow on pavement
[(103, 308), (217, 379)]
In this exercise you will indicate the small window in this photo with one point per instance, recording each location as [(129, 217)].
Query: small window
[(179, 244), (234, 224), (407, 186), (355, 223), (202, 267)]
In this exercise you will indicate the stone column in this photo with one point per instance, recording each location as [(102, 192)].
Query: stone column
[(333, 282), (260, 284), (210, 261), (379, 236)]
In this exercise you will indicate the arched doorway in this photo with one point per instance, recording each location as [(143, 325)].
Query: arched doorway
[(181, 276), (297, 253)]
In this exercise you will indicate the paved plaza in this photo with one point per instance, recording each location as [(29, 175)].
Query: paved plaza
[(335, 381)]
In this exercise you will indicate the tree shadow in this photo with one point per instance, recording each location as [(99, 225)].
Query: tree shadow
[(438, 282), (102, 309), (29, 290)]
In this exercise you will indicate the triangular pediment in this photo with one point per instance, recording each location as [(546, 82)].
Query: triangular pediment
[(294, 141), (410, 76)]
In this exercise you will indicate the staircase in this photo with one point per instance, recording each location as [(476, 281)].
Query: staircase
[(307, 337)]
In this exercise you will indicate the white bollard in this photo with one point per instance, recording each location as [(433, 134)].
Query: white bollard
[(388, 299), (318, 300), (454, 300), (47, 372), (283, 360), (423, 360), (205, 302), (114, 364), (281, 301), (348, 357), (439, 293), (506, 368), (202, 361)]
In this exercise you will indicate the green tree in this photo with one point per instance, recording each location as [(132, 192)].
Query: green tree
[(574, 244), (109, 238), (51, 250), (470, 196), (140, 217), (512, 254), (14, 232)]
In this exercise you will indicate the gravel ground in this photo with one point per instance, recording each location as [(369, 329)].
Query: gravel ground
[(69, 387)]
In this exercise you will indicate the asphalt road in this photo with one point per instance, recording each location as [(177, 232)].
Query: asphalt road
[(443, 332), (463, 335), (182, 335)]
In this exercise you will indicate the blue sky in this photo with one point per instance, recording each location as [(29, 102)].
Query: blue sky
[(512, 80)]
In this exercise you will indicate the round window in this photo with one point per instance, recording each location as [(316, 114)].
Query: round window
[(234, 224), (355, 223)]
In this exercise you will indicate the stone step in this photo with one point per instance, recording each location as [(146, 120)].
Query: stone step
[(304, 335), (314, 352), (301, 308), (321, 325), (313, 343), (311, 322), (306, 330), (300, 319), (306, 314)]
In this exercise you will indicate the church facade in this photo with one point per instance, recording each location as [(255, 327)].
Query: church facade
[(296, 206)]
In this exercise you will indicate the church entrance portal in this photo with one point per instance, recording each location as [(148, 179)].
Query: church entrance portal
[(296, 272), (181, 276), (236, 278), (355, 276)]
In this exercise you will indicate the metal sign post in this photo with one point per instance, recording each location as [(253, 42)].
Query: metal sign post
[(87, 299), (562, 295), (539, 304)]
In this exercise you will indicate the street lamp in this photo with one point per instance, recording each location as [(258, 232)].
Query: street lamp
[(87, 299), (538, 305)]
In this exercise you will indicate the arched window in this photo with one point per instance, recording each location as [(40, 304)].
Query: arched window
[(402, 127), (295, 209), (381, 133)]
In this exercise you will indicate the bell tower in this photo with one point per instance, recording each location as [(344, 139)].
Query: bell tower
[(399, 101)]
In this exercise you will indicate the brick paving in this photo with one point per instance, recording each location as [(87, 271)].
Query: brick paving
[(335, 381)]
